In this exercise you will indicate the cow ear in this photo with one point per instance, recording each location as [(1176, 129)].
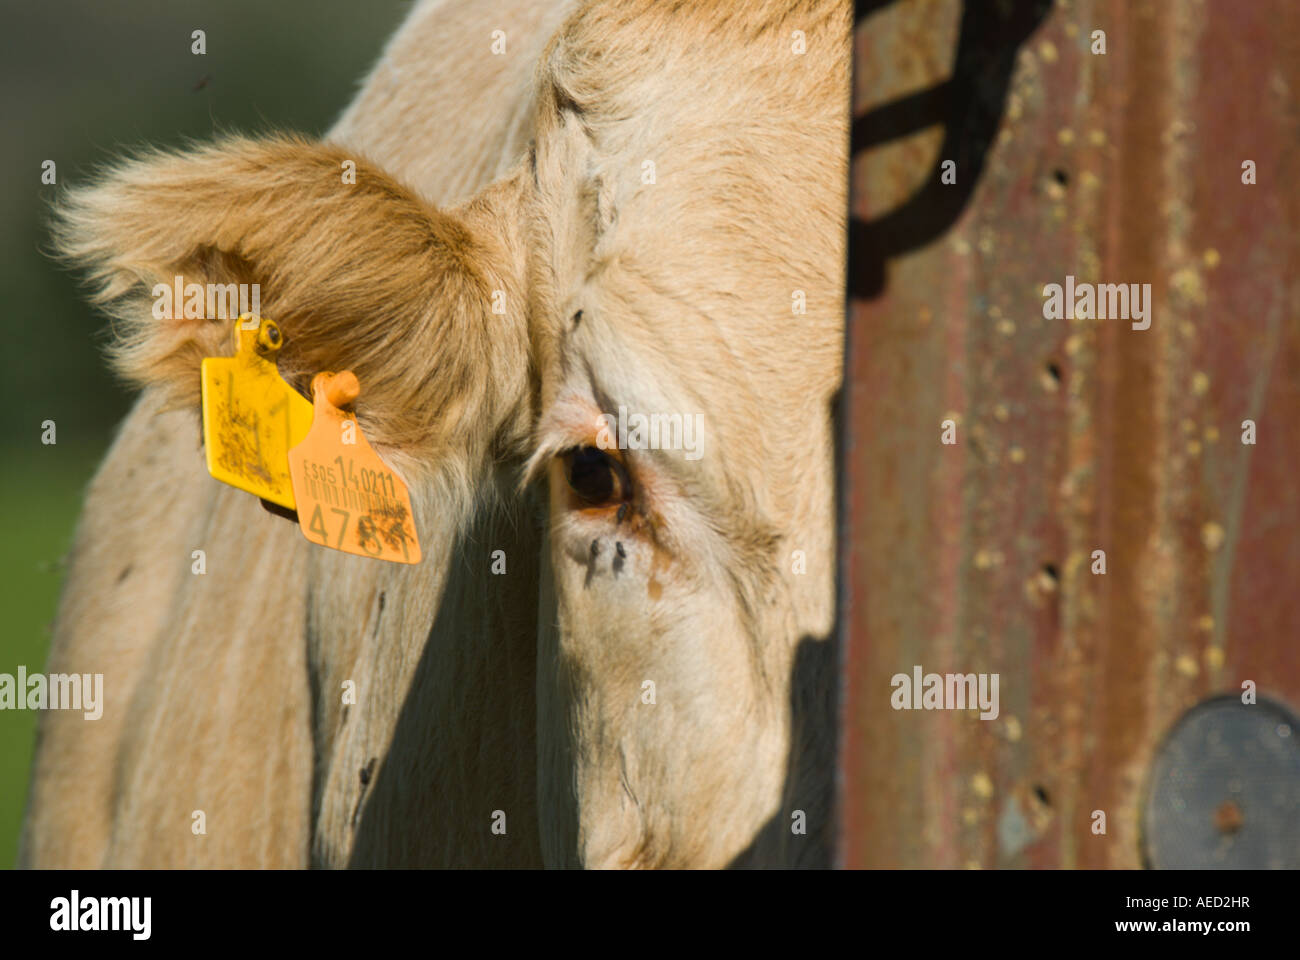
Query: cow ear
[(425, 306)]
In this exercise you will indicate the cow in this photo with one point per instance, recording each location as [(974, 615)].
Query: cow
[(613, 654)]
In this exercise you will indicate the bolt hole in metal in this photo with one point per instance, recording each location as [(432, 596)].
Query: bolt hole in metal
[(1224, 789)]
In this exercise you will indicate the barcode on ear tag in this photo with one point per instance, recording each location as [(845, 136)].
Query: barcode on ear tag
[(251, 416), (348, 498)]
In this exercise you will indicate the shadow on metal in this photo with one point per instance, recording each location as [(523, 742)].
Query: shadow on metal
[(969, 105)]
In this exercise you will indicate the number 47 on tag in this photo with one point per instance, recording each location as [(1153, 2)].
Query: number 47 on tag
[(348, 498)]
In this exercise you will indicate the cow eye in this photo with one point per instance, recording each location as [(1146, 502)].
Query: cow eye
[(595, 476)]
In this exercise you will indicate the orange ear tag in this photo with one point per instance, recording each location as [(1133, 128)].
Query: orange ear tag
[(348, 499), (251, 417)]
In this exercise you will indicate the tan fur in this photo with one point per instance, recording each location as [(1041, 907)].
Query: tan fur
[(477, 692), (130, 235)]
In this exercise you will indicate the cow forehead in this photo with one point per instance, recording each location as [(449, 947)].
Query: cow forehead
[(688, 212)]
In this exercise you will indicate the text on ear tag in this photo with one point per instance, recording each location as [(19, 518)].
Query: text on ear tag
[(348, 498), (251, 416)]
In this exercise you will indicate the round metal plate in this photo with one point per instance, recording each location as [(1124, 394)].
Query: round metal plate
[(1225, 789)]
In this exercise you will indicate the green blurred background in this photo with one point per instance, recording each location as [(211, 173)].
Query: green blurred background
[(80, 82)]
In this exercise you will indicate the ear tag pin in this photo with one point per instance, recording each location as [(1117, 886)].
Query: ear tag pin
[(251, 416), (348, 498)]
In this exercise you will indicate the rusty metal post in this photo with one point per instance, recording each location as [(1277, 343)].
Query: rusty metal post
[(1072, 435)]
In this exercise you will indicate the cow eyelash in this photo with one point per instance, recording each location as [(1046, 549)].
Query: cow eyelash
[(596, 478)]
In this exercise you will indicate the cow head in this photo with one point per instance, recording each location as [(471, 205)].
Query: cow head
[(644, 316)]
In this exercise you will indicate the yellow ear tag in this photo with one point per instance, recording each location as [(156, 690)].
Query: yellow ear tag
[(251, 417), (348, 499)]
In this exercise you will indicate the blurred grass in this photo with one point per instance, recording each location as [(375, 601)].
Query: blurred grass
[(41, 491), (80, 82)]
